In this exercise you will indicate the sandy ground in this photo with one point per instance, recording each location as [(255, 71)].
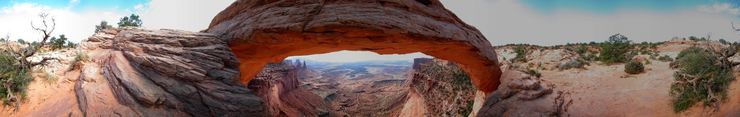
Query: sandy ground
[(607, 91), (46, 98)]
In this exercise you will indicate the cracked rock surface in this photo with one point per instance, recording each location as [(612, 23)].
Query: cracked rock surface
[(168, 73)]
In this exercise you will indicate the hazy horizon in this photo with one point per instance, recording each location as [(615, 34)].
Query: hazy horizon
[(346, 56)]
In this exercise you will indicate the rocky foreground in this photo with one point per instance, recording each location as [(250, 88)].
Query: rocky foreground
[(137, 72), (598, 89)]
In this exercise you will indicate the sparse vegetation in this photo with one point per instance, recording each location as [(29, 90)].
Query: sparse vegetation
[(581, 50), (50, 77), (665, 58), (77, 61), (521, 54), (703, 76), (615, 49), (21, 41), (723, 41), (634, 67), (60, 43), (14, 79), (534, 73), (575, 63), (15, 68), (129, 21), (101, 26)]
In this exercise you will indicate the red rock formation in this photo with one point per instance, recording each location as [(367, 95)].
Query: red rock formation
[(523, 95), (262, 31), (444, 87), (278, 86), (166, 73)]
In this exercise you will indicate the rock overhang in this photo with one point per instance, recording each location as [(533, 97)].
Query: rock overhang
[(262, 31)]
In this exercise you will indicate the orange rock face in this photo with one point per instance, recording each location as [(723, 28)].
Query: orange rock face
[(262, 31)]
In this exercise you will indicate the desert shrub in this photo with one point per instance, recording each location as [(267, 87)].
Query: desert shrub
[(723, 41), (534, 73), (590, 57), (129, 21), (647, 62), (50, 77), (665, 58), (581, 50), (103, 25), (21, 41), (521, 54), (15, 68), (615, 49), (575, 63), (58, 43), (77, 61), (701, 77), (13, 79), (71, 45), (634, 67)]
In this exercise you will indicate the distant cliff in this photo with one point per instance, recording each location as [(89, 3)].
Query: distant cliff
[(444, 88), (278, 86)]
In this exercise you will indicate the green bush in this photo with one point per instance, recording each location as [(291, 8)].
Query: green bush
[(57, 43), (534, 73), (582, 49), (129, 21), (634, 67), (615, 49), (701, 77), (590, 57), (103, 25), (723, 41), (77, 61), (575, 63), (60, 43), (665, 58), (521, 54), (21, 41), (13, 79)]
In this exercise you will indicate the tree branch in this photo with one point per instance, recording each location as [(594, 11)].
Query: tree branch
[(43, 61)]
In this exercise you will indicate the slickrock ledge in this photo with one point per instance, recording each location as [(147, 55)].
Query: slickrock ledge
[(166, 72)]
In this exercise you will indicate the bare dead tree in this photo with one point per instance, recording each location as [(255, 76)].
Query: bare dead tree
[(46, 28), (49, 25)]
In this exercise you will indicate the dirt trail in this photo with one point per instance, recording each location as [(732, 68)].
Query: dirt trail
[(414, 106)]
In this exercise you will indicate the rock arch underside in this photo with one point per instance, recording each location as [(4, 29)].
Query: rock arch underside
[(264, 31)]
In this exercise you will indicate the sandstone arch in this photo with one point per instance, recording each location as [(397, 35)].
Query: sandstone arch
[(262, 31)]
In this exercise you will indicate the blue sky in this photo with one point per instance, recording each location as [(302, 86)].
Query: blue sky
[(550, 22), (610, 6), (77, 18), (80, 5)]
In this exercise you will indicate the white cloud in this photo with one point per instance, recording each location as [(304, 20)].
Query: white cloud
[(73, 3), (191, 15), (510, 21), (16, 21), (726, 8)]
